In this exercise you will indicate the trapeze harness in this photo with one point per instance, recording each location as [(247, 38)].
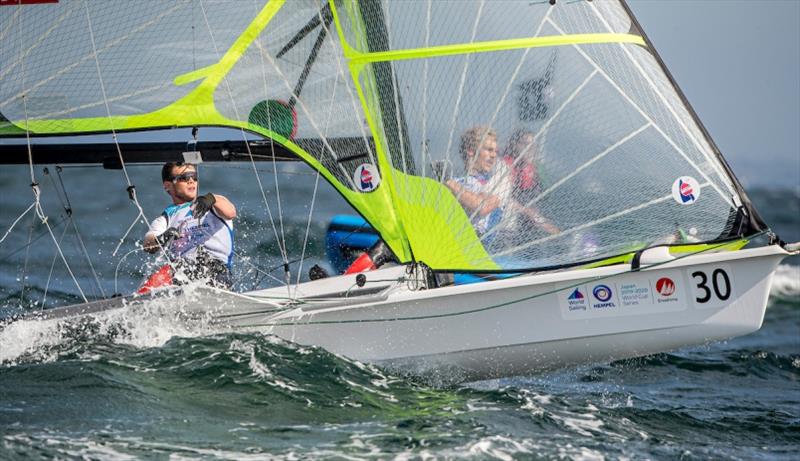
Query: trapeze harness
[(202, 250)]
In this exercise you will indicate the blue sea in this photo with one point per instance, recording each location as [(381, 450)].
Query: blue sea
[(166, 392)]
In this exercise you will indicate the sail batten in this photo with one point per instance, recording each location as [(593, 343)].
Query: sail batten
[(593, 148)]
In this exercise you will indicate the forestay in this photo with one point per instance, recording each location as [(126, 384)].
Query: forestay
[(605, 153)]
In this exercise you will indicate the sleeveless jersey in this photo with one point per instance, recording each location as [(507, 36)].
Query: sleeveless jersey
[(213, 233)]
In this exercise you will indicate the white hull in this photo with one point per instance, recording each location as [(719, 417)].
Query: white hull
[(439, 330), (508, 327)]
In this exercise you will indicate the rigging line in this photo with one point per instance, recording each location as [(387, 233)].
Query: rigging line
[(244, 135), (35, 185), (52, 267), (88, 258), (641, 111), (597, 157), (705, 152), (497, 112), (16, 221), (311, 121), (131, 187), (308, 230), (313, 198), (292, 102), (425, 65), (27, 257), (543, 129), (498, 305), (36, 239), (588, 224), (467, 60), (65, 202), (40, 213), (122, 240), (356, 110), (119, 263), (575, 172)]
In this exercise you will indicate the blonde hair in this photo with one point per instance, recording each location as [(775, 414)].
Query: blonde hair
[(472, 139)]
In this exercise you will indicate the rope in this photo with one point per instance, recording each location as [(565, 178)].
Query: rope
[(244, 136), (52, 267), (35, 186), (16, 221), (68, 209), (131, 188)]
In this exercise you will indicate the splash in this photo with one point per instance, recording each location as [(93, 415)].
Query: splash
[(786, 283), (142, 324)]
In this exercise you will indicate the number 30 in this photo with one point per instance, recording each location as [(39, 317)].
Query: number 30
[(719, 281)]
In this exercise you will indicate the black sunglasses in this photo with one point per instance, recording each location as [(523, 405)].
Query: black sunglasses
[(185, 177)]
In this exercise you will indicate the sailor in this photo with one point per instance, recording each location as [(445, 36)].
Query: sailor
[(484, 197), (478, 149), (196, 232)]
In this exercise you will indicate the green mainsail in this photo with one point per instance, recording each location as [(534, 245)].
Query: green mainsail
[(605, 123)]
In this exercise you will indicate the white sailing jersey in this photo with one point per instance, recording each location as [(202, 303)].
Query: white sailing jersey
[(211, 232)]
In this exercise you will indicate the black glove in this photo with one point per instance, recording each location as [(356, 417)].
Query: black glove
[(168, 236), (203, 204)]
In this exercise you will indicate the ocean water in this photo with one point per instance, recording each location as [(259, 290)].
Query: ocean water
[(164, 390)]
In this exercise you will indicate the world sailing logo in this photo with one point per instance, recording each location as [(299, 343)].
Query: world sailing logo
[(366, 178), (685, 190), (576, 301), (603, 294)]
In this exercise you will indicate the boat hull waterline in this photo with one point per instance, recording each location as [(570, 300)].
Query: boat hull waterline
[(516, 326)]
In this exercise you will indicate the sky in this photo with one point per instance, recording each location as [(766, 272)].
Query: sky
[(738, 63)]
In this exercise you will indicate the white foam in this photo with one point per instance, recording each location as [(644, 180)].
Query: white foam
[(143, 324), (786, 282)]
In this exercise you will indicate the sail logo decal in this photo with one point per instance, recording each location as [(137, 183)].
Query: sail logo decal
[(685, 190), (576, 301), (603, 294), (665, 286), (366, 177)]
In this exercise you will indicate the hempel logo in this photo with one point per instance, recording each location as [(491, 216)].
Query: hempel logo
[(603, 294)]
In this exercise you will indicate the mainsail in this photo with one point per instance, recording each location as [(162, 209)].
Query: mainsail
[(616, 160)]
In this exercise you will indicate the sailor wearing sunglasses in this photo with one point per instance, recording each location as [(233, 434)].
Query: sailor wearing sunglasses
[(197, 232)]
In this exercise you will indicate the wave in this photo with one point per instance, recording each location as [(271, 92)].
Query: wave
[(786, 283)]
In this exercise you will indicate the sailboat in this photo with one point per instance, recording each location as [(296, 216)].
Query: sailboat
[(653, 244)]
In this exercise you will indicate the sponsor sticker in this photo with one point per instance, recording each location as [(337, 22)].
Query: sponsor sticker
[(634, 294), (602, 294), (685, 190), (576, 301), (366, 177), (667, 290)]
